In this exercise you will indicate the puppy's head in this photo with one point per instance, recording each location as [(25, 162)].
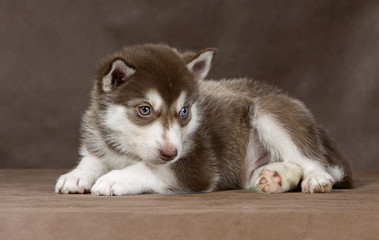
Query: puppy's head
[(147, 98)]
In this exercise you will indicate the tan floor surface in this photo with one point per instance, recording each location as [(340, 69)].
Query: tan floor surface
[(29, 209)]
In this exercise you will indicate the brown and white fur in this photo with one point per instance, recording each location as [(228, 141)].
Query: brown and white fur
[(155, 125)]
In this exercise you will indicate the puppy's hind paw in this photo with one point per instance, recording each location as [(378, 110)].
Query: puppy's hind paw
[(269, 181), (317, 182), (275, 178)]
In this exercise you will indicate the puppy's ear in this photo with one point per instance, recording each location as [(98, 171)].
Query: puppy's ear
[(200, 63), (119, 71)]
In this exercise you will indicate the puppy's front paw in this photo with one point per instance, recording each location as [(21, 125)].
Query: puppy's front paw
[(114, 183), (317, 182), (76, 181)]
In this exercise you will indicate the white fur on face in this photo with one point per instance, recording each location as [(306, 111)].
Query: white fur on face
[(181, 101), (154, 99), (142, 141), (147, 141), (184, 135), (174, 137)]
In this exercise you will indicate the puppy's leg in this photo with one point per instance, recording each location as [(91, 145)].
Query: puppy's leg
[(81, 179), (276, 178), (136, 179), (289, 133)]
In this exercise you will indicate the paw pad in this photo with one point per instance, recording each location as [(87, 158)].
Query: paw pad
[(269, 182)]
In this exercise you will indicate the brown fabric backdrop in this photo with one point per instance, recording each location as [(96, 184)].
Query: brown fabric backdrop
[(325, 53)]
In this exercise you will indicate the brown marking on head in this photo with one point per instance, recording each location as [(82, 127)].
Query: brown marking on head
[(151, 67)]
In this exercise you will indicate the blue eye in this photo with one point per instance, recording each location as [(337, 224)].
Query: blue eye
[(184, 112), (144, 110)]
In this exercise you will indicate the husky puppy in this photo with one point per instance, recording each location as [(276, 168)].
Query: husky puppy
[(154, 125)]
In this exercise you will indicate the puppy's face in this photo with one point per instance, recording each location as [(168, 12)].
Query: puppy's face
[(149, 101)]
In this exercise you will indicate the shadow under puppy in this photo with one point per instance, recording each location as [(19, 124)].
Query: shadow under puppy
[(155, 125)]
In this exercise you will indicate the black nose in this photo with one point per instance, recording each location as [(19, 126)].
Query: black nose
[(168, 154)]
